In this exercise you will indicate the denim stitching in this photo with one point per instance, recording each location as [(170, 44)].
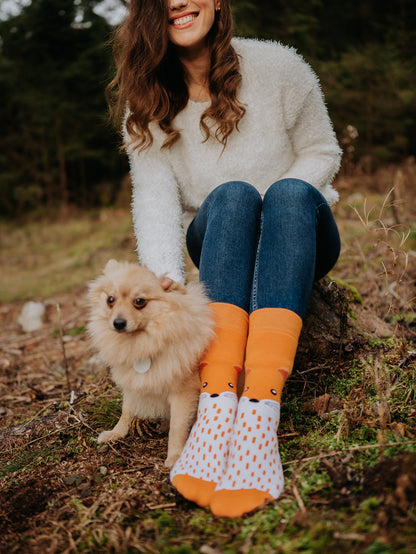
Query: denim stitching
[(318, 212), (254, 302)]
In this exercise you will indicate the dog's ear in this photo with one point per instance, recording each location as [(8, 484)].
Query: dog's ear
[(170, 285), (110, 265)]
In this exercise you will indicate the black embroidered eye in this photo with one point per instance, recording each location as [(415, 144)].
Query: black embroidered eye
[(273, 391), (110, 301), (246, 389), (231, 385), (205, 384), (139, 303)]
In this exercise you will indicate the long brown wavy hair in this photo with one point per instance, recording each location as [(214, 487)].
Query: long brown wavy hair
[(151, 81)]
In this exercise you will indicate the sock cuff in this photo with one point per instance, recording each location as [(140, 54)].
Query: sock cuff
[(272, 339), (230, 316), (277, 320)]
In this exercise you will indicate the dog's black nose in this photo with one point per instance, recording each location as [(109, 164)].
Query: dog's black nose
[(253, 400), (120, 324), (214, 395)]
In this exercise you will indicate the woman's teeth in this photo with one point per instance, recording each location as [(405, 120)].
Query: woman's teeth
[(184, 20)]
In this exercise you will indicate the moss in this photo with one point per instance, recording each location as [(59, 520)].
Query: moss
[(356, 296)]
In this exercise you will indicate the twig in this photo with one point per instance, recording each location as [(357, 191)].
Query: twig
[(38, 413), (349, 536), (352, 449), (42, 437), (132, 470), (298, 497), (58, 309), (286, 435), (80, 418), (161, 506)]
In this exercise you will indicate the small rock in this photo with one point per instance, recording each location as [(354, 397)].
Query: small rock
[(31, 316), (322, 405), (73, 479), (5, 363)]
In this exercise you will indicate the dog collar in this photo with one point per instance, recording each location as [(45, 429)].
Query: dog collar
[(142, 365)]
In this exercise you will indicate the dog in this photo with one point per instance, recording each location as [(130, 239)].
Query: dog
[(152, 333)]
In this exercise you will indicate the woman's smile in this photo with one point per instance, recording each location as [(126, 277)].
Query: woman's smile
[(183, 21), (190, 22)]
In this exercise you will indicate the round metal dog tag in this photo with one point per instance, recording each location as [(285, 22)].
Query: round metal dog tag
[(142, 366)]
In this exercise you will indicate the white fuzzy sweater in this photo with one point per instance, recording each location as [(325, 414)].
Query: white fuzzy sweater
[(286, 132)]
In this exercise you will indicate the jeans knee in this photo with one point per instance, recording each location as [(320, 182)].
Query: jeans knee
[(291, 191), (289, 188), (236, 197)]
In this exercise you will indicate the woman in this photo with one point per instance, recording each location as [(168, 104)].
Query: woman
[(237, 132)]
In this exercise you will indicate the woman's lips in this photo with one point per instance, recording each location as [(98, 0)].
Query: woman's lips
[(183, 20)]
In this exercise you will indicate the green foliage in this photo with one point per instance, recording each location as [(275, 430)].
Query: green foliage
[(27, 458), (354, 82), (364, 55), (56, 148)]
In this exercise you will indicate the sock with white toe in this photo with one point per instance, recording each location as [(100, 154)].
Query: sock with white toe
[(254, 473), (203, 460)]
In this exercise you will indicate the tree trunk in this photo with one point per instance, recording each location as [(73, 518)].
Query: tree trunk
[(336, 326), (63, 177)]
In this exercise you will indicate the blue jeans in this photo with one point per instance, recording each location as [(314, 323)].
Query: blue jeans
[(266, 252)]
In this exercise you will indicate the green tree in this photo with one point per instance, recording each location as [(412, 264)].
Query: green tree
[(364, 53), (57, 146)]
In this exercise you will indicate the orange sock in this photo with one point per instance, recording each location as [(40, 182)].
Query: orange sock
[(203, 460), (254, 472)]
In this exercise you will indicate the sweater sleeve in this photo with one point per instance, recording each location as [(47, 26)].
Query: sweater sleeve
[(157, 213), (317, 154)]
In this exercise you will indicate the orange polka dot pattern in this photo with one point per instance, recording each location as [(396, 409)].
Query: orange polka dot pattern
[(253, 459), (205, 454)]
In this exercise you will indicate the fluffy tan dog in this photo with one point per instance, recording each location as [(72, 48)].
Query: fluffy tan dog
[(152, 333)]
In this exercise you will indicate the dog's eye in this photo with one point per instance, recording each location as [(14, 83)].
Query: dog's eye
[(273, 391), (139, 303), (231, 385), (205, 384), (110, 300)]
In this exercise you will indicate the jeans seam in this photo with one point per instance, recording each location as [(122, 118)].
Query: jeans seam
[(318, 212), (254, 302)]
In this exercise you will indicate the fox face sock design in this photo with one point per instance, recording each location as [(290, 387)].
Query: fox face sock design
[(203, 460), (254, 472)]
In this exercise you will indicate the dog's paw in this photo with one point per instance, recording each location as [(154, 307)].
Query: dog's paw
[(107, 436), (171, 459)]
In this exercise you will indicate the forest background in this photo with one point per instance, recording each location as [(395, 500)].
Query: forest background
[(58, 149)]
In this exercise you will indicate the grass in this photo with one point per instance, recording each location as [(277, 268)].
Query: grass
[(40, 259), (341, 474)]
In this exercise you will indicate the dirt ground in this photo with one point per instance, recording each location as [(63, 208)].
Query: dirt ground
[(62, 492)]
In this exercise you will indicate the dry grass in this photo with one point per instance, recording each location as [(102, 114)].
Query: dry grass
[(60, 492), (42, 258), (377, 221)]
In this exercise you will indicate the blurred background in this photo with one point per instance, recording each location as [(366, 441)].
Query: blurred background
[(58, 149)]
